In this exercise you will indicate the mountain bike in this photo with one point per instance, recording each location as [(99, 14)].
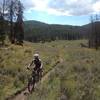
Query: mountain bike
[(34, 78)]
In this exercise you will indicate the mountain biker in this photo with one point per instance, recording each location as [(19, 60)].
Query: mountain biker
[(37, 64)]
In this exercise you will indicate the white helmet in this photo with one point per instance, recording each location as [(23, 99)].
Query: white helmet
[(36, 55)]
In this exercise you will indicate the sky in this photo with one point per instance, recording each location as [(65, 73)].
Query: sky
[(72, 12)]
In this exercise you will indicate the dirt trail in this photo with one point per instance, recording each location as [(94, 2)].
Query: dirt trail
[(23, 95)]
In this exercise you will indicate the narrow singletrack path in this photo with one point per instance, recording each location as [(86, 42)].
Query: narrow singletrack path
[(23, 95)]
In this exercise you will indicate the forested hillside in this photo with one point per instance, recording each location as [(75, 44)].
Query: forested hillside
[(37, 31)]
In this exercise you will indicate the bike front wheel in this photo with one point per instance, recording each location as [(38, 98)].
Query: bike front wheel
[(31, 84)]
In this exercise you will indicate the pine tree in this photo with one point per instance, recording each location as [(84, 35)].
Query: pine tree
[(2, 22), (94, 37), (19, 30)]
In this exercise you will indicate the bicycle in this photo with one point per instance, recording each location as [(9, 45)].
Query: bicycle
[(35, 77)]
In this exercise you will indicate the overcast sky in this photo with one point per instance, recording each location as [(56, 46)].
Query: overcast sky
[(75, 12)]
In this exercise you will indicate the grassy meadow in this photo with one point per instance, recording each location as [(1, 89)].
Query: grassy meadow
[(76, 78), (13, 62)]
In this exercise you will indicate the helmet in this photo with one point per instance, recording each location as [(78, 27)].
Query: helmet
[(36, 55)]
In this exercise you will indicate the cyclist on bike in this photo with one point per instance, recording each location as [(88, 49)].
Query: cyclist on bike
[(37, 65)]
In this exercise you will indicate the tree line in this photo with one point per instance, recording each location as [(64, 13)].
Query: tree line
[(11, 21), (51, 33)]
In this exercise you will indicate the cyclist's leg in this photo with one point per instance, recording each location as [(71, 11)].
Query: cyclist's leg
[(40, 73)]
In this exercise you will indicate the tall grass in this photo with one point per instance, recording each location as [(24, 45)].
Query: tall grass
[(77, 77)]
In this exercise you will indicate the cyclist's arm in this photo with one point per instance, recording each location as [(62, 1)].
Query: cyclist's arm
[(30, 64), (41, 67)]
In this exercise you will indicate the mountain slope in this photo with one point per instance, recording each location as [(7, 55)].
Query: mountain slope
[(35, 29), (38, 31)]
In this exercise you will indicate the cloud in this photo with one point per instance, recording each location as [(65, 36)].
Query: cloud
[(96, 6), (63, 7)]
